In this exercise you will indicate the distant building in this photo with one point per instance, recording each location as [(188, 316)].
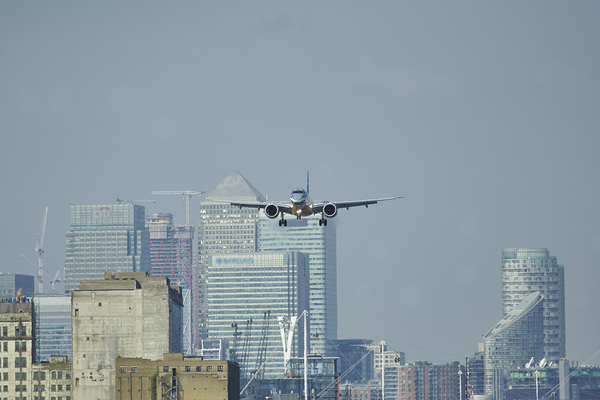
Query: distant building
[(105, 238), (127, 314), (384, 354), (525, 271), (319, 242), (11, 283), (513, 341), (171, 255), (52, 379), (422, 381), (476, 370), (223, 229), (246, 294), (356, 360), (18, 348), (370, 390), (176, 377), (52, 325)]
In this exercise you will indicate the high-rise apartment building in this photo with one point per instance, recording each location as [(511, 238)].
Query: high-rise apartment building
[(223, 229), (319, 242), (525, 271), (52, 326), (105, 238), (127, 314), (18, 348), (246, 295), (513, 341), (11, 283)]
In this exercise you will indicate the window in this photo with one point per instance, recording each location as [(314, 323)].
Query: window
[(36, 376), (23, 346), (68, 375), (133, 369), (59, 374), (188, 368), (43, 376), (5, 346), (209, 368), (219, 368), (53, 388), (77, 312), (20, 362), (53, 374), (5, 362), (68, 388), (198, 369), (123, 369), (60, 388), (5, 331), (165, 369)]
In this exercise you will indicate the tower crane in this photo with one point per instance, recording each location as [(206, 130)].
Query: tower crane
[(39, 242), (131, 201), (188, 195), (52, 280)]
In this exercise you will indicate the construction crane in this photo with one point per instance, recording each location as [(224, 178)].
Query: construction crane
[(52, 280), (131, 201), (39, 242), (188, 195)]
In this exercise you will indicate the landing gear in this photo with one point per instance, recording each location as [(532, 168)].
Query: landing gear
[(322, 221), (282, 222)]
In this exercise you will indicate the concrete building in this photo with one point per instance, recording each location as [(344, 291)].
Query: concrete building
[(171, 255), (52, 325), (126, 314), (513, 341), (176, 377), (525, 271), (105, 238), (52, 379), (18, 348), (319, 242), (223, 229), (246, 294), (11, 283)]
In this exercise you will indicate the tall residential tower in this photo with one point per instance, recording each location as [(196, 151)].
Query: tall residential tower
[(525, 271)]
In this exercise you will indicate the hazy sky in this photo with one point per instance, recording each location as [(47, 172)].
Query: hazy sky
[(483, 115)]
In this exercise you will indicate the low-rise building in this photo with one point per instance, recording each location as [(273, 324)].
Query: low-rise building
[(52, 380), (177, 377)]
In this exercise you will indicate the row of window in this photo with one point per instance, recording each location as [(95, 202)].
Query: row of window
[(19, 346), (19, 331), (19, 362)]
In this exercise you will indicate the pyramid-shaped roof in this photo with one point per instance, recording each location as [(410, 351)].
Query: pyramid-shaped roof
[(235, 188)]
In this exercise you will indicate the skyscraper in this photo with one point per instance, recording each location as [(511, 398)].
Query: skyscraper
[(223, 229), (171, 255), (525, 271), (251, 291), (513, 341), (11, 283), (319, 242), (105, 238)]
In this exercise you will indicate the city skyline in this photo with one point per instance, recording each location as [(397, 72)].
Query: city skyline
[(482, 115)]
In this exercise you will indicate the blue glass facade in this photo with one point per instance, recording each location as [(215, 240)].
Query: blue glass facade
[(319, 242), (241, 289), (52, 326), (105, 238)]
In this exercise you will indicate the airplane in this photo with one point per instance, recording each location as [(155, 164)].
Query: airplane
[(301, 205)]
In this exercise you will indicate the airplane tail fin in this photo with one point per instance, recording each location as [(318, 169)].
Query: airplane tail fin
[(307, 191)]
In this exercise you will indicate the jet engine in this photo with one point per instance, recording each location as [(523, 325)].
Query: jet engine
[(271, 211), (330, 210)]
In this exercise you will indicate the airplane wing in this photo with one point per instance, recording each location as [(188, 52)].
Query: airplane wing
[(255, 204), (317, 208)]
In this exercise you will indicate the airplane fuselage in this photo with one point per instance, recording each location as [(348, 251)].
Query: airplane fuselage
[(302, 204)]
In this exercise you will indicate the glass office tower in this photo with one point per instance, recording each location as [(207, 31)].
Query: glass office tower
[(246, 293), (319, 242), (52, 325), (11, 283), (223, 228), (105, 238), (529, 270)]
